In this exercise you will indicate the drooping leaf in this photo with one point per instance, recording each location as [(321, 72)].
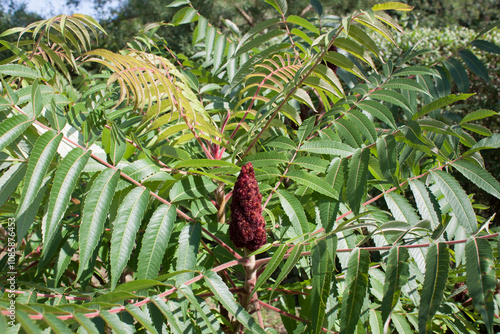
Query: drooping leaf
[(226, 298), (357, 178), (209, 319), (474, 64), (27, 218), (479, 176), (294, 210), (155, 241), (141, 317), (379, 111), (401, 208), (63, 185), (115, 323), (189, 241), (356, 287), (40, 158), (280, 5), (322, 267), (348, 132), (458, 200), (424, 202), (363, 124), (396, 275), (387, 156), (458, 73), (271, 266), (436, 276), (118, 144), (56, 324), (94, 215), (10, 179), (125, 227), (174, 324), (290, 263), (481, 278)]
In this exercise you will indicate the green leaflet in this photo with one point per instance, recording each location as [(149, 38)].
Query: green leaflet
[(41, 156), (27, 218), (416, 70), (115, 323), (439, 103), (259, 40), (305, 129), (436, 275), (290, 262), (303, 23), (401, 208), (211, 323), (474, 64), (327, 147), (226, 298), (10, 180), (265, 159), (458, 200), (118, 144), (313, 182), (348, 132), (322, 268), (354, 294), (481, 177), (191, 187), (405, 84), (15, 70), (220, 48), (185, 15), (396, 275), (481, 278), (393, 97), (387, 156), (189, 241), (56, 324), (363, 124), (155, 241), (125, 227), (141, 317), (174, 324), (336, 174), (458, 73), (94, 215), (199, 163), (11, 128), (67, 251), (86, 323), (486, 46), (65, 179), (424, 203), (271, 266), (295, 212), (379, 111), (280, 5), (312, 163), (357, 178)]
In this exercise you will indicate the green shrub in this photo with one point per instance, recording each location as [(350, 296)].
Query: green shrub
[(118, 172)]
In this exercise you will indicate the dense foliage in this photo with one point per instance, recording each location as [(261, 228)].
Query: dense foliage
[(117, 172)]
